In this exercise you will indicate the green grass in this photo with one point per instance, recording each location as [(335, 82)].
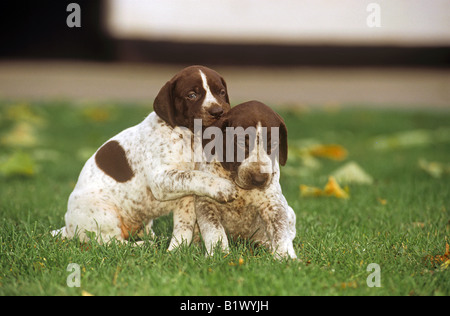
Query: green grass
[(336, 239)]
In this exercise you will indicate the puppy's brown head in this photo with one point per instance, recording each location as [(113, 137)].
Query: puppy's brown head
[(196, 92), (255, 137)]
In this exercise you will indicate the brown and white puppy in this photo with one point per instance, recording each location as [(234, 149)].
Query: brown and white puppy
[(260, 212), (195, 93), (140, 174)]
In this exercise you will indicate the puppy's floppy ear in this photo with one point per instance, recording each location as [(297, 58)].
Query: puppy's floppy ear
[(164, 104), (223, 123), (283, 143), (227, 98)]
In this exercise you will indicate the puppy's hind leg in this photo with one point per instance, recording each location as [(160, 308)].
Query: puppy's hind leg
[(92, 215)]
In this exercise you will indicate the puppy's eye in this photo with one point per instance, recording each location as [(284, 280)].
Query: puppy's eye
[(222, 93), (192, 96)]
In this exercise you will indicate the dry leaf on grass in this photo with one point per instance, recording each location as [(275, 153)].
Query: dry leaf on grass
[(18, 164), (351, 172), (434, 168), (331, 151), (23, 134), (25, 123), (442, 260), (332, 188), (24, 112)]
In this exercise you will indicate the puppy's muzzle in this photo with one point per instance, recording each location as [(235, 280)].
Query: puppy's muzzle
[(216, 111), (259, 179)]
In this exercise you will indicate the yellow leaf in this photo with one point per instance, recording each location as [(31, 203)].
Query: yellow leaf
[(86, 293), (351, 284), (334, 152), (307, 191), (332, 188), (434, 168), (21, 135), (23, 112), (18, 164), (445, 258)]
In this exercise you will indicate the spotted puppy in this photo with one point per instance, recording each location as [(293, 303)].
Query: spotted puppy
[(260, 211), (140, 173)]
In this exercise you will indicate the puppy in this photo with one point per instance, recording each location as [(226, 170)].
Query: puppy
[(256, 140), (140, 174)]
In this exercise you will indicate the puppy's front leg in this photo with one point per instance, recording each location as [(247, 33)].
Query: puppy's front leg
[(208, 220), (280, 227), (183, 222), (172, 183)]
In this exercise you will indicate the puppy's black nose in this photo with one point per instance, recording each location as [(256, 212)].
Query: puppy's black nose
[(258, 179), (216, 111)]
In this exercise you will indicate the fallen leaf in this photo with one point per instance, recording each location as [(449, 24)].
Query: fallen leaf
[(23, 112), (442, 260), (332, 151), (23, 134), (19, 163), (299, 151), (351, 172), (307, 191), (446, 257), (332, 188), (351, 284), (446, 264), (433, 168), (86, 293)]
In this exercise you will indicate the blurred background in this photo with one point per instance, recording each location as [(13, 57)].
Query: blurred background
[(287, 53)]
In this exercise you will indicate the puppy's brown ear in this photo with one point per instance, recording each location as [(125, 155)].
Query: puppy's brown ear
[(227, 98), (223, 123), (164, 104), (283, 143)]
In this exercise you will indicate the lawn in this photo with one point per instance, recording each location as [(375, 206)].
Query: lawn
[(400, 220)]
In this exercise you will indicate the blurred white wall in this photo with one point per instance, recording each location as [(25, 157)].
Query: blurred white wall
[(403, 22)]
